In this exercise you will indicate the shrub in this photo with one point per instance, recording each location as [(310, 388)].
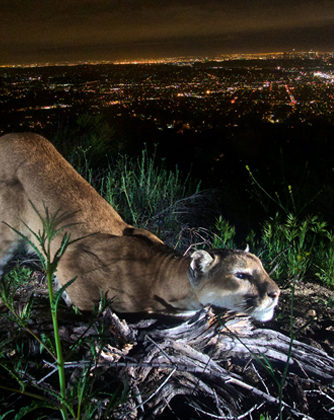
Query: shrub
[(225, 237), (292, 248), (295, 246)]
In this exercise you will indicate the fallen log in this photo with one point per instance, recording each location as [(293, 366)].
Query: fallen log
[(221, 365), (214, 366)]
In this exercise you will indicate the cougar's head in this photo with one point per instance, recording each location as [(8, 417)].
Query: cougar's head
[(235, 280)]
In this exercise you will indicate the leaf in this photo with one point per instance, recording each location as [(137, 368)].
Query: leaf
[(35, 405), (62, 290), (26, 239), (2, 416)]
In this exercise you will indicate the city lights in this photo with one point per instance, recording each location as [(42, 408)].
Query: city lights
[(181, 93)]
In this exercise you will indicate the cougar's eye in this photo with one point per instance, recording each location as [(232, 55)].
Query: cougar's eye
[(244, 276)]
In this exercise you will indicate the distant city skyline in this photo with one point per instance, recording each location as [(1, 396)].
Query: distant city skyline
[(185, 60), (95, 30)]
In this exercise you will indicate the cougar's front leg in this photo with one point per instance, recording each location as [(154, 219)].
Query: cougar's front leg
[(11, 203), (7, 249)]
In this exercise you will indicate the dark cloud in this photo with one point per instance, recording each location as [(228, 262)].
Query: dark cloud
[(98, 29)]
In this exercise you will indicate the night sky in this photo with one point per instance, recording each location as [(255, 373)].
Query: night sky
[(70, 30)]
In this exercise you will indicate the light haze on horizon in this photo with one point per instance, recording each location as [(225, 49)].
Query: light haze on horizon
[(78, 30)]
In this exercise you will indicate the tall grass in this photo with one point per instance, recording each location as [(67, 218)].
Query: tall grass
[(145, 192)]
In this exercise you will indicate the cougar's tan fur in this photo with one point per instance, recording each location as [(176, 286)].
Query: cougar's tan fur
[(132, 266), (140, 275), (32, 171)]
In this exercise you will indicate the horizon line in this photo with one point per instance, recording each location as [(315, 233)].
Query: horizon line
[(162, 60)]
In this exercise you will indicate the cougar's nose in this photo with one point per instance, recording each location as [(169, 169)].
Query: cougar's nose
[(274, 294)]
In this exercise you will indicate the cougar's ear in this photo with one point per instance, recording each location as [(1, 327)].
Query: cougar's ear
[(247, 248), (201, 262)]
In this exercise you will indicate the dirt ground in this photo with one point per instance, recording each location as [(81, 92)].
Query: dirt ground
[(313, 315)]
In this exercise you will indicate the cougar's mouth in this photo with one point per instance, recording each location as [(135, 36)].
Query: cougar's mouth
[(263, 315), (264, 311)]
